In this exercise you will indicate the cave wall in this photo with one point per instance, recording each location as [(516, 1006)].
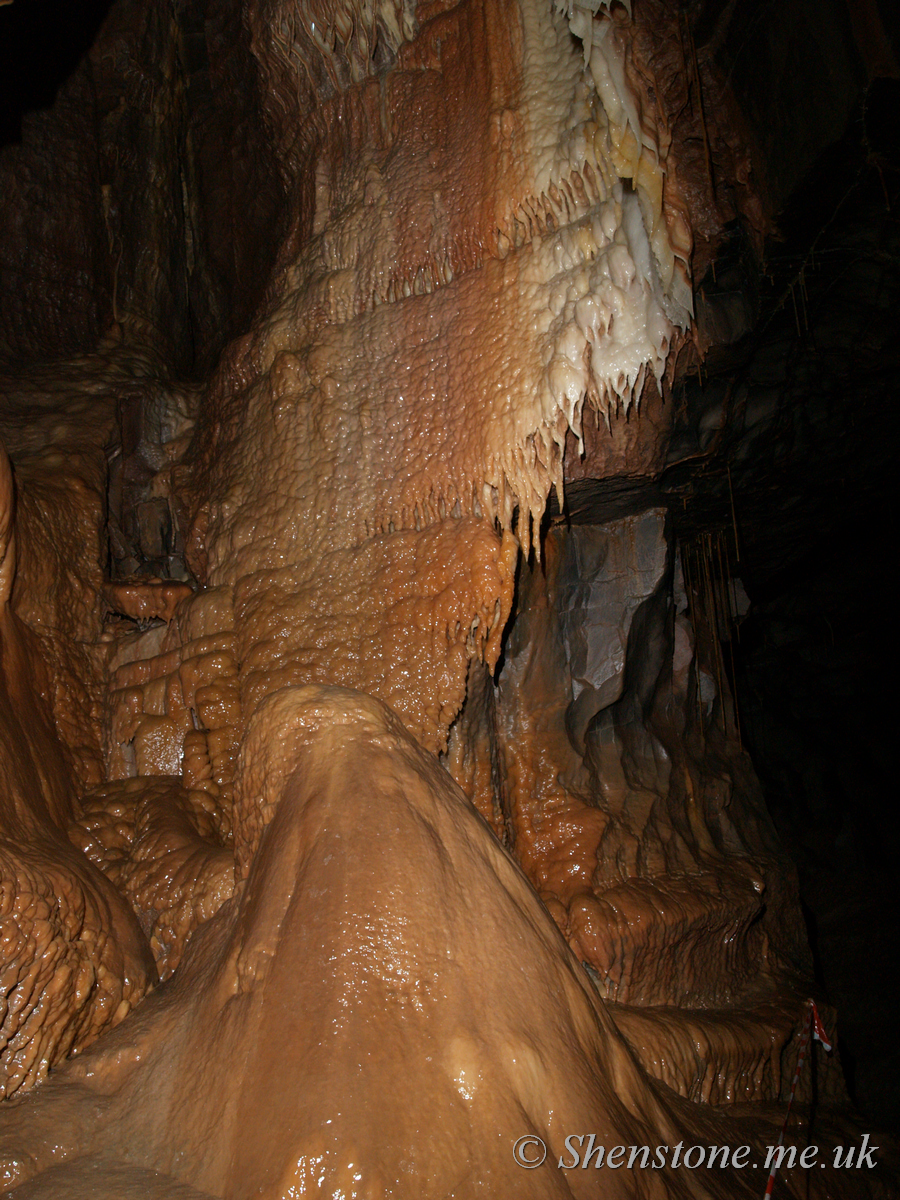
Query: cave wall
[(326, 312), (159, 130), (800, 492)]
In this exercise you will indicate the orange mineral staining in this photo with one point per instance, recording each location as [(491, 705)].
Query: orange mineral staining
[(72, 959), (464, 238)]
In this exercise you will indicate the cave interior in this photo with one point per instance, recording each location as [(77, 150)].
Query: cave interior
[(300, 562)]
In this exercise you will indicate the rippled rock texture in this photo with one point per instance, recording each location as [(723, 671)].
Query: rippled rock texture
[(420, 792)]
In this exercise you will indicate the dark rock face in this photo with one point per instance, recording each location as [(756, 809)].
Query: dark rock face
[(800, 485), (145, 208), (372, 475), (607, 716)]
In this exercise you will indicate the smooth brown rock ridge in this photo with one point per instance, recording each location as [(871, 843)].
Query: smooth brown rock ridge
[(382, 1010)]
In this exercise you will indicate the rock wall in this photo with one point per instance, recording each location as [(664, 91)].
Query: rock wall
[(373, 688)]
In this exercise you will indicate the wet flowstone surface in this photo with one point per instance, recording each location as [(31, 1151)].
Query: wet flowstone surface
[(412, 429)]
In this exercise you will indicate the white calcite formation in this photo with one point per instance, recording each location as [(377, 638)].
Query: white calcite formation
[(356, 986)]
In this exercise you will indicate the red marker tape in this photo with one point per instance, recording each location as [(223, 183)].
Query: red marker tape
[(818, 1028), (812, 1024)]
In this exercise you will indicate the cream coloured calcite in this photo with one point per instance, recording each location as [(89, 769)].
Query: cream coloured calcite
[(398, 414), (366, 994)]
